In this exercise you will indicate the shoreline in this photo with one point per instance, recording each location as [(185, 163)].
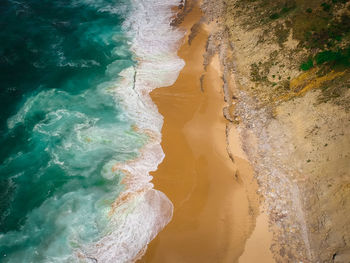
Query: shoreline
[(139, 210), (215, 200)]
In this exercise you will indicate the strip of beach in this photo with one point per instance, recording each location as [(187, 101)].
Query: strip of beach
[(217, 214)]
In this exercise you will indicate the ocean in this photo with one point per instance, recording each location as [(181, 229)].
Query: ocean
[(79, 131)]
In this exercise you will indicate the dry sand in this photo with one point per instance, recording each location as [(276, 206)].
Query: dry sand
[(215, 201)]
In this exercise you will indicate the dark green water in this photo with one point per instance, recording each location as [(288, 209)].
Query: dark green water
[(61, 129)]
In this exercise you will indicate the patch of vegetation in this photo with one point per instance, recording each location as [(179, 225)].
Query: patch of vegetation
[(321, 27), (333, 59), (326, 7), (329, 34), (337, 58), (281, 33), (274, 16), (255, 73), (260, 71), (307, 65), (315, 23), (288, 7)]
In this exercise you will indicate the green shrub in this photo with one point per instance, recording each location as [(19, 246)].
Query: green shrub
[(286, 9), (274, 16), (339, 1), (326, 7), (336, 58), (327, 56), (307, 65), (309, 10), (289, 6)]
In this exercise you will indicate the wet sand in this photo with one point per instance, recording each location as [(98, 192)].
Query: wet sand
[(215, 201)]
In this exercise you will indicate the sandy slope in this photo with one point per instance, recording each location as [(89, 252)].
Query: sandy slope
[(215, 201)]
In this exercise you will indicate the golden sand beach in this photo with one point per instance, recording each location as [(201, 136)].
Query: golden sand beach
[(215, 200)]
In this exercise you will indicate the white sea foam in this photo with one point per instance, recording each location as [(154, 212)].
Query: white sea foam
[(141, 211)]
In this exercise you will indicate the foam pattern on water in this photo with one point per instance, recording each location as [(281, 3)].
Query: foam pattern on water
[(84, 135), (141, 212)]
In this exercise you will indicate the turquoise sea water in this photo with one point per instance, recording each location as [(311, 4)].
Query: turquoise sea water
[(61, 128)]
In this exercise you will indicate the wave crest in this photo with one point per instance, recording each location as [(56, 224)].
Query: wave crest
[(140, 211)]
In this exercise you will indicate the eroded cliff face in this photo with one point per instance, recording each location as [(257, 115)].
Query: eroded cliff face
[(287, 82)]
